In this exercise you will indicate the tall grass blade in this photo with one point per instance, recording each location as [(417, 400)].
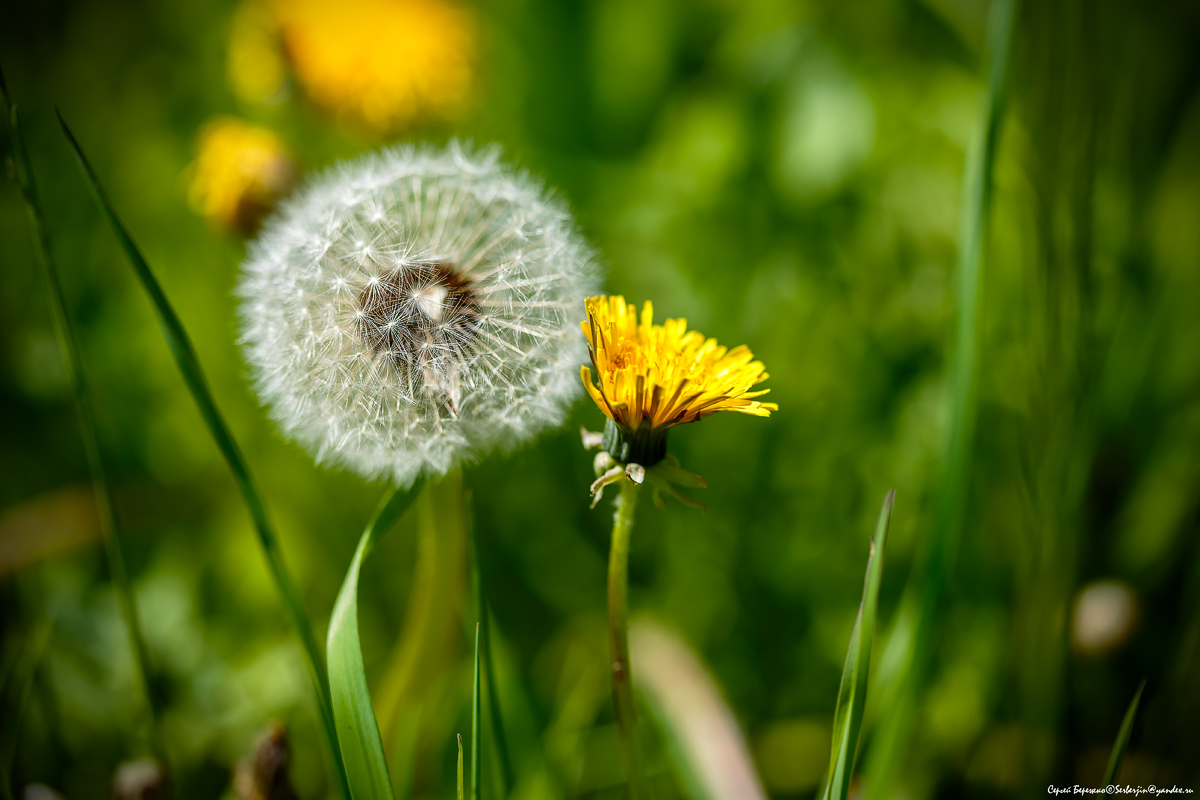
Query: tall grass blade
[(852, 694), (460, 769), (476, 710), (359, 741), (1118, 750), (193, 376), (499, 740), (68, 346), (24, 673), (909, 650)]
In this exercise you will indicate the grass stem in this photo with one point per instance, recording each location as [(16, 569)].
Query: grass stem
[(476, 726), (496, 721), (852, 693), (68, 345), (460, 769), (1122, 740)]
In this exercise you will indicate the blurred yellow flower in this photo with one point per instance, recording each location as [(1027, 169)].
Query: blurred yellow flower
[(257, 69), (378, 63), (240, 172), (652, 377)]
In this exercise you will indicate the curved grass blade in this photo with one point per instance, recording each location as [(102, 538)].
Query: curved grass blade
[(68, 346), (420, 657), (496, 726), (358, 737), (1118, 750), (852, 694), (702, 736), (193, 376), (476, 710)]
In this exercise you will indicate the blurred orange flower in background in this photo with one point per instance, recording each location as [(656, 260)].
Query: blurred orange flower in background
[(379, 64)]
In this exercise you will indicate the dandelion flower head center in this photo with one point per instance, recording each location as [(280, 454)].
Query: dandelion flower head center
[(420, 315), (414, 309)]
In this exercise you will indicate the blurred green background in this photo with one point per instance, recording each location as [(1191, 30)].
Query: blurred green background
[(784, 174)]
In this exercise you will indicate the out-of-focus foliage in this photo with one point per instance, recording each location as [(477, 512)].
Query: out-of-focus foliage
[(786, 175), (240, 172)]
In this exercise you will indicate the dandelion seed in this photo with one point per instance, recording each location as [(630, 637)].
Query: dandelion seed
[(454, 334)]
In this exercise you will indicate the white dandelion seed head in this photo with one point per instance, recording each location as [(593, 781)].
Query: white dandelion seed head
[(415, 308)]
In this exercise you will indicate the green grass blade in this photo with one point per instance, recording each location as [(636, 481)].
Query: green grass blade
[(460, 769), (911, 652), (852, 694), (193, 376), (68, 346), (359, 741), (476, 711), (1118, 750), (499, 741), (22, 685)]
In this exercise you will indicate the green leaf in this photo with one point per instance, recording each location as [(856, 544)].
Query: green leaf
[(181, 348), (357, 731), (852, 694), (1118, 750)]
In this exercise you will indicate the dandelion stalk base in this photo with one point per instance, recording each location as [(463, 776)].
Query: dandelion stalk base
[(618, 631)]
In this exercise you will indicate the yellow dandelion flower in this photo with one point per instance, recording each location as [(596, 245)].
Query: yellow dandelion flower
[(240, 172), (382, 63), (653, 377), (650, 378)]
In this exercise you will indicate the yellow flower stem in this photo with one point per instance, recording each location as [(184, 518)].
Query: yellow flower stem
[(618, 631)]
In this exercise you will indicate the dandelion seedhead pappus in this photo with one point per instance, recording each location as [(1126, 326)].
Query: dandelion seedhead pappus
[(415, 308)]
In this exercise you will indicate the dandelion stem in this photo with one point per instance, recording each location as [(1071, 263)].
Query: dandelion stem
[(68, 346), (618, 632)]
